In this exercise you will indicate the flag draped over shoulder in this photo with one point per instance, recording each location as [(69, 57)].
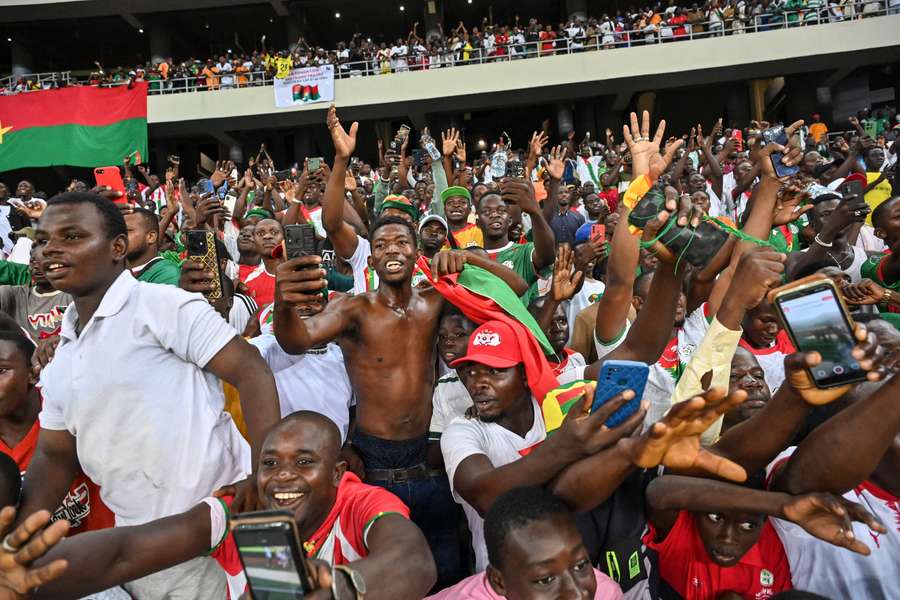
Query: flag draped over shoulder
[(482, 296), (78, 126)]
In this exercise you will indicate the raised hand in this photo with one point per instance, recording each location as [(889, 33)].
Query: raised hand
[(520, 192), (461, 151), (557, 166), (300, 281), (830, 518), (789, 204), (447, 262), (536, 145), (645, 156), (758, 269), (674, 441), (350, 184), (32, 539), (565, 281), (792, 153), (449, 141), (344, 141)]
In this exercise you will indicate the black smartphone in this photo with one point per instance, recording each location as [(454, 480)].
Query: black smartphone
[(515, 168), (852, 188), (201, 248), (418, 157), (269, 546), (300, 240), (283, 175), (778, 135), (816, 319)]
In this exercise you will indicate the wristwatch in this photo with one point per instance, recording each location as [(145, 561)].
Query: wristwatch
[(356, 580)]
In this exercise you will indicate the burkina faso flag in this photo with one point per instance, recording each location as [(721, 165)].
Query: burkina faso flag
[(78, 126)]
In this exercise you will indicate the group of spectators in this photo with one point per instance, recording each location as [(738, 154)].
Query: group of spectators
[(487, 42), (417, 393)]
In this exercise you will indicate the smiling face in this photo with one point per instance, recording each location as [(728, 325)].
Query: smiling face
[(494, 391), (393, 253), (456, 209), (493, 217), (299, 470), (728, 536), (544, 560), (267, 234), (77, 254), (25, 190)]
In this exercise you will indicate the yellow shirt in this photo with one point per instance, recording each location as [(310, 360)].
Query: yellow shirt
[(283, 66), (876, 195), (470, 235)]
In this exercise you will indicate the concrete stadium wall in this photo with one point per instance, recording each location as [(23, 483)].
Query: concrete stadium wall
[(547, 79)]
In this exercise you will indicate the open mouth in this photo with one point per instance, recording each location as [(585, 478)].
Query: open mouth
[(722, 559), (496, 225), (54, 268), (393, 266), (288, 498)]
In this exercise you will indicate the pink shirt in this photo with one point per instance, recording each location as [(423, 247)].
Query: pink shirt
[(477, 587)]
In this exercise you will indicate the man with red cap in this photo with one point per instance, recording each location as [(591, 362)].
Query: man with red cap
[(502, 441)]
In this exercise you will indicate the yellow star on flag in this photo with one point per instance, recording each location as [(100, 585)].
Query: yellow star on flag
[(3, 130)]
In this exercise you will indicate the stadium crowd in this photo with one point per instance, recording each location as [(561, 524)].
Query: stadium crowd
[(420, 388), (486, 42)]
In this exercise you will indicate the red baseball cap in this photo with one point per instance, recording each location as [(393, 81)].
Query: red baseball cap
[(494, 344)]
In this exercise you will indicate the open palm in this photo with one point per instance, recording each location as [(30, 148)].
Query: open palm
[(344, 142), (830, 518), (645, 156)]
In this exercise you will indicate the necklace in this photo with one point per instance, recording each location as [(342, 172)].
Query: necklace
[(836, 261)]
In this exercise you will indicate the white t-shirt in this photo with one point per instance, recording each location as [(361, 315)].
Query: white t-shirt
[(359, 263), (590, 290), (820, 567), (450, 401), (242, 310), (316, 380), (225, 71), (467, 437), (149, 422)]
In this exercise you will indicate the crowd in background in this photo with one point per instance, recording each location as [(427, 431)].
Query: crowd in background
[(481, 43)]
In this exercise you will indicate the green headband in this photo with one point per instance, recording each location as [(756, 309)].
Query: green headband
[(456, 190), (259, 212)]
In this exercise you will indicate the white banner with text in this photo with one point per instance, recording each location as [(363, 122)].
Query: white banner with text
[(305, 86)]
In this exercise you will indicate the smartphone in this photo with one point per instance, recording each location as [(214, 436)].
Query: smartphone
[(816, 319), (269, 546), (853, 187), (110, 176), (283, 175), (598, 232), (300, 240), (201, 248), (515, 168), (403, 132), (779, 136), (314, 164), (205, 186), (418, 157), (615, 377)]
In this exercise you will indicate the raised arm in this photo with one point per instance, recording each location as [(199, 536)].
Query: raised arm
[(299, 282), (452, 261), (342, 235), (521, 192), (713, 168)]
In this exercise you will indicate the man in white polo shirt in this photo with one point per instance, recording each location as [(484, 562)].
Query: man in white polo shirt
[(133, 392)]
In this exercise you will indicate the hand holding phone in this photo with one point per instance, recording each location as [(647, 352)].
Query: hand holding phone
[(201, 248), (816, 319), (617, 376), (268, 544), (300, 240), (110, 177)]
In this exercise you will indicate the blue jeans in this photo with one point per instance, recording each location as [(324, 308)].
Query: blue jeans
[(431, 505)]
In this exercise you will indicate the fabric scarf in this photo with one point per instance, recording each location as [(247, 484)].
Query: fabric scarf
[(482, 296)]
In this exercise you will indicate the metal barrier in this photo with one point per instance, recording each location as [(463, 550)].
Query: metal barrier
[(44, 80), (605, 39)]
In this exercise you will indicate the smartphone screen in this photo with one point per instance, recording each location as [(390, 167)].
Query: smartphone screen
[(816, 322), (270, 562)]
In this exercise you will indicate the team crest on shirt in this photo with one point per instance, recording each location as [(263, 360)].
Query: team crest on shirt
[(509, 264), (487, 338), (766, 578)]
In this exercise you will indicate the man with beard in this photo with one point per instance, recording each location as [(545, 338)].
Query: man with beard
[(143, 249)]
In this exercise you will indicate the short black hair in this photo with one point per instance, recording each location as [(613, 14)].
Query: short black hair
[(486, 195), (113, 221), (515, 509), (392, 220), (10, 481), (150, 218), (880, 211), (25, 346)]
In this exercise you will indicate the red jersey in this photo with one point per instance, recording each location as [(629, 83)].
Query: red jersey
[(339, 540), (261, 285), (82, 506), (684, 564), (245, 270)]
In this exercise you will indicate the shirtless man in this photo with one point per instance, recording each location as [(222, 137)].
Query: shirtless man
[(388, 340)]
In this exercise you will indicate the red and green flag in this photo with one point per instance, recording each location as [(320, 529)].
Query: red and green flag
[(74, 126)]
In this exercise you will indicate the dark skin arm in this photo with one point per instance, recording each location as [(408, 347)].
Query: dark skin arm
[(452, 261), (611, 177), (521, 192), (53, 467), (555, 167), (864, 430), (300, 281), (342, 235), (713, 169), (822, 515)]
